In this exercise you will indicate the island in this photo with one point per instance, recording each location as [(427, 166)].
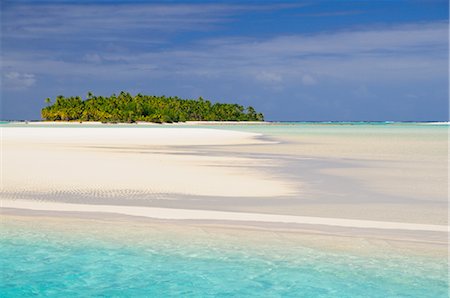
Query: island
[(149, 108)]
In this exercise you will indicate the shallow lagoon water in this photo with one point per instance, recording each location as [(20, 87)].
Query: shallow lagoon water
[(47, 262)]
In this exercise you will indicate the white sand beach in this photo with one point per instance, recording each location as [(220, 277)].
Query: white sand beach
[(223, 176), (101, 160)]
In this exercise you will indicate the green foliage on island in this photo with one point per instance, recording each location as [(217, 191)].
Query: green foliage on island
[(127, 108)]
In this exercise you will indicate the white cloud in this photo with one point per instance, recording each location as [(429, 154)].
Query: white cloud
[(46, 20), (389, 40), (269, 77), (414, 52), (16, 80)]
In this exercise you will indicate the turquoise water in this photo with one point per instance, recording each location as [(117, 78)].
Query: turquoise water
[(42, 263)]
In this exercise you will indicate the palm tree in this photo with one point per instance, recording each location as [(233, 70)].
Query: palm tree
[(48, 101), (128, 108)]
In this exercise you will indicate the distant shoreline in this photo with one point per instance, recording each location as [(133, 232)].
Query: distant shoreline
[(143, 123), (135, 123)]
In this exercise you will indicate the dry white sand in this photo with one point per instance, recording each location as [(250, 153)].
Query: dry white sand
[(104, 160)]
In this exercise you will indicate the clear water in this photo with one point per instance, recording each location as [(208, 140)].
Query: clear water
[(36, 262)]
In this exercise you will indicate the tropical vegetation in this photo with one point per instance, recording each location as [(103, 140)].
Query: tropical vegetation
[(150, 108)]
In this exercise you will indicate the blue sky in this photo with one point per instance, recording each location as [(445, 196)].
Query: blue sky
[(292, 60)]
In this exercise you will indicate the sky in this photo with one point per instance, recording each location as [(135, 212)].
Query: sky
[(291, 60)]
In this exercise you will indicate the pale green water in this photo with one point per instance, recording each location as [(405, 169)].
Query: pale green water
[(356, 128)]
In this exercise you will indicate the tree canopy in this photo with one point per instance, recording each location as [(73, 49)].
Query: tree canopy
[(127, 108)]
